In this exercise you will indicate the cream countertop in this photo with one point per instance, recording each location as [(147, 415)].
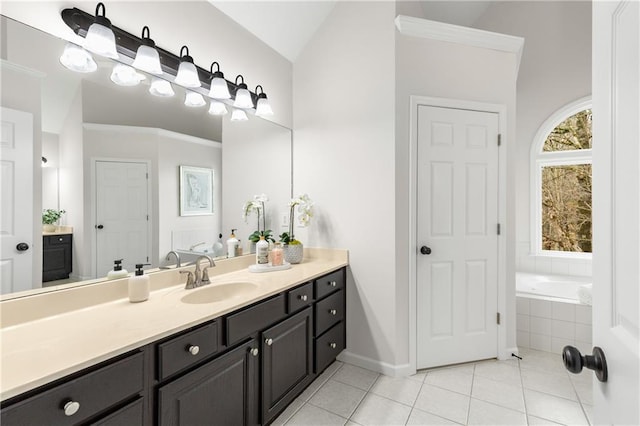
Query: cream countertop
[(60, 230), (99, 324)]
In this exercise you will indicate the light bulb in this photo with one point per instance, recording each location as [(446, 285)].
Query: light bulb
[(217, 108), (77, 59), (238, 115), (193, 99), (160, 87), (124, 75)]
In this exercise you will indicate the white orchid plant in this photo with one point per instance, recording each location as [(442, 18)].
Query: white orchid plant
[(305, 212), (257, 205)]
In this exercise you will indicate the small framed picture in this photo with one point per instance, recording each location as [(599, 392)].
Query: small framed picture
[(196, 191)]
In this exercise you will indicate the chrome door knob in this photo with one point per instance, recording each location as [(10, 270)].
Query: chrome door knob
[(303, 297), (333, 311), (70, 408), (194, 349), (255, 351), (332, 283), (269, 342), (574, 361), (333, 345), (425, 250)]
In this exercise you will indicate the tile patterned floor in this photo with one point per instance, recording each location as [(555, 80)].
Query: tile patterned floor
[(536, 390)]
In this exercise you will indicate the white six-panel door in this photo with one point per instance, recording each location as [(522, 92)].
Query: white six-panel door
[(16, 197), (616, 213), (122, 209), (457, 219)]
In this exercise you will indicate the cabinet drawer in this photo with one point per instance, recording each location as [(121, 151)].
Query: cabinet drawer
[(131, 414), (92, 393), (54, 240), (328, 346), (329, 283), (254, 318), (187, 349), (329, 311), (300, 297)]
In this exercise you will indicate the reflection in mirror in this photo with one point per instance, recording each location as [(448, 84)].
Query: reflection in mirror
[(113, 160)]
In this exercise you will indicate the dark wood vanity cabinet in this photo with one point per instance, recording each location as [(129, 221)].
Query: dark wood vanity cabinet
[(224, 391), (240, 369), (56, 257)]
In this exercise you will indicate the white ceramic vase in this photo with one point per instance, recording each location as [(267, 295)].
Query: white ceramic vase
[(49, 227), (293, 253)]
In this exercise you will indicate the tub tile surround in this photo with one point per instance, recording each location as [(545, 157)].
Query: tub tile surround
[(534, 390), (549, 265), (34, 351), (549, 326)]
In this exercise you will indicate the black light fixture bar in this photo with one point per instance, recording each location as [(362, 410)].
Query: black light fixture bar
[(127, 45)]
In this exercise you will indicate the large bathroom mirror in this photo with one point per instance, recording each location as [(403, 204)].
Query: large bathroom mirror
[(117, 154)]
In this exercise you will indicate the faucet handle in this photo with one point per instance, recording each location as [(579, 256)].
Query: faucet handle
[(190, 282), (205, 276)]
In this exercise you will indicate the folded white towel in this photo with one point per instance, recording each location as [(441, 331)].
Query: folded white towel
[(584, 294)]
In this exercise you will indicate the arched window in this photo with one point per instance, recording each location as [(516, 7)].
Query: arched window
[(561, 183)]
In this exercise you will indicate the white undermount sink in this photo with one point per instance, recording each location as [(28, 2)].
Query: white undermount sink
[(218, 292)]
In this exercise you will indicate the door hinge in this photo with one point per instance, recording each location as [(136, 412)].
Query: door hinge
[(498, 318), (147, 218), (499, 139), (498, 229), (147, 258), (147, 174)]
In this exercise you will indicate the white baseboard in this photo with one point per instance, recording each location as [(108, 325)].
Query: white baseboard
[(402, 370)]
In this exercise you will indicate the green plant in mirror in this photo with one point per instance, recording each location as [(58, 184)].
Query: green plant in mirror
[(257, 205), (50, 216)]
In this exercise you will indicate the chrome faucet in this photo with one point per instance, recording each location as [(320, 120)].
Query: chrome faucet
[(177, 257), (202, 276), (196, 245)]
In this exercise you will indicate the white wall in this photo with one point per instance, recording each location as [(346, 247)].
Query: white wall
[(555, 70), (50, 148), (343, 158), (209, 34), (441, 69)]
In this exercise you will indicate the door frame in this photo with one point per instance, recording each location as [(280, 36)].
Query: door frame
[(92, 222), (503, 352)]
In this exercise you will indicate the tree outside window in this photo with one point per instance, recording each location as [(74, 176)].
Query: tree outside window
[(563, 186)]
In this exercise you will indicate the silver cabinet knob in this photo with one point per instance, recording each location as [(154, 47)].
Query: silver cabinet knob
[(194, 349), (333, 311), (269, 342), (332, 283), (70, 408), (333, 345), (60, 239), (303, 297), (255, 351)]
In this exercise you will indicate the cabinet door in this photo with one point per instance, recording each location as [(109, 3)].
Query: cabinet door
[(287, 356), (221, 392)]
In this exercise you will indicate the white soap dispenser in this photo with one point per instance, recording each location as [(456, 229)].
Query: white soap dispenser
[(117, 271), (139, 285), (232, 244), (262, 251)]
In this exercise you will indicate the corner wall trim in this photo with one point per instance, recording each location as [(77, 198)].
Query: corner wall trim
[(424, 28), (391, 370)]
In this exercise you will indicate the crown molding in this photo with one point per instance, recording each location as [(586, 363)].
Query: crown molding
[(424, 28)]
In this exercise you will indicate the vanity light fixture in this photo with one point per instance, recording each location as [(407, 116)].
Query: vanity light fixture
[(243, 97), (100, 38), (187, 72), (77, 59), (219, 88), (160, 87), (194, 99), (127, 48), (217, 108), (124, 75), (263, 108), (238, 115), (147, 57)]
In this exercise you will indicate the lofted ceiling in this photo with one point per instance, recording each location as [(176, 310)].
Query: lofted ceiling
[(287, 26)]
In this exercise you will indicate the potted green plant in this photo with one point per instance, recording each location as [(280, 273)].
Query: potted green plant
[(294, 249), (49, 219), (257, 205)]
